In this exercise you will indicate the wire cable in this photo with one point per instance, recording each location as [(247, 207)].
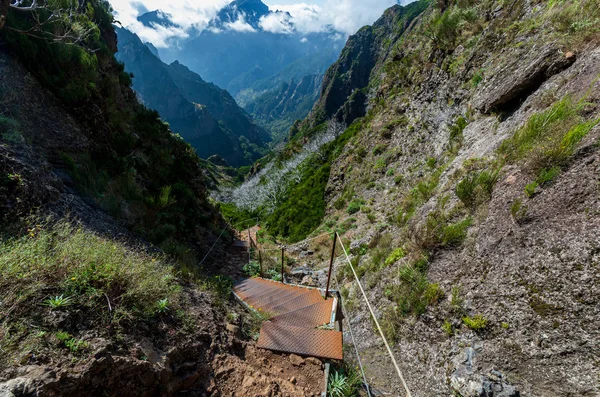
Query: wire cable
[(213, 246), (362, 370), (389, 349)]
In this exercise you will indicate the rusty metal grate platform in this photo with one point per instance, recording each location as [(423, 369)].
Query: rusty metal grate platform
[(311, 316), (303, 341), (298, 312)]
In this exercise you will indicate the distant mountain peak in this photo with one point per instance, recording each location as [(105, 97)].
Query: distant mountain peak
[(156, 18), (249, 11)]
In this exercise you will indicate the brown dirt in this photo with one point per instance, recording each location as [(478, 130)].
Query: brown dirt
[(264, 373)]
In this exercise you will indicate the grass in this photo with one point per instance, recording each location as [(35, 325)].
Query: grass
[(354, 207), (447, 327), (112, 286), (477, 187), (518, 211), (548, 139), (412, 295)]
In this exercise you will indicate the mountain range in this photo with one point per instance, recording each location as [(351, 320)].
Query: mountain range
[(274, 56)]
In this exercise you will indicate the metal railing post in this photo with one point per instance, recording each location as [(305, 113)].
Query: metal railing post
[(282, 264), (331, 264), (249, 247), (260, 264)]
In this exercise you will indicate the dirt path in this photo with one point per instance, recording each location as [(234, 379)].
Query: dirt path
[(255, 371)]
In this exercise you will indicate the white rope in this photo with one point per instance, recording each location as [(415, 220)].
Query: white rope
[(362, 370), (310, 239), (375, 319)]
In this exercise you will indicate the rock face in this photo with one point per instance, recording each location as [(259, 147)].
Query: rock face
[(444, 108), (342, 95), (278, 109), (514, 82)]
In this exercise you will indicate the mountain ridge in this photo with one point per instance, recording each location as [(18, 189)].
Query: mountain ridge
[(206, 116)]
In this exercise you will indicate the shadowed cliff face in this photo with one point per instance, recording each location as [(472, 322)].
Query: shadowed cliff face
[(343, 93), (205, 116)]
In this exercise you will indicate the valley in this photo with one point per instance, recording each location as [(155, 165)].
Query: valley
[(437, 171)]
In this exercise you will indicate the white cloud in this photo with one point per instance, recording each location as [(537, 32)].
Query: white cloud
[(184, 13), (240, 25), (278, 22), (343, 15)]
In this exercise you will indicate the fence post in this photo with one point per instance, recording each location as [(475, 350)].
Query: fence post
[(260, 264), (249, 247), (282, 264), (331, 264)]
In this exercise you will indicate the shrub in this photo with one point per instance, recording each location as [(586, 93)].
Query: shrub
[(380, 164), (10, 130), (518, 211), (251, 269), (454, 234), (531, 188), (395, 256), (353, 207), (477, 78), (476, 323), (339, 203), (456, 300), (431, 162), (546, 176), (379, 149), (413, 294), (398, 179), (477, 187), (447, 327)]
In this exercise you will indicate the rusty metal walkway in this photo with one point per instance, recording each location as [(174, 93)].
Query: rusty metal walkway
[(301, 319)]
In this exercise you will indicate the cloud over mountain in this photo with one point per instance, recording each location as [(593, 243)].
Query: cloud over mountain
[(182, 16)]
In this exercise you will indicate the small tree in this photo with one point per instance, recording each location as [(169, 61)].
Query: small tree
[(63, 21)]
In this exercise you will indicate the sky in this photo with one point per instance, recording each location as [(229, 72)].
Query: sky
[(346, 16)]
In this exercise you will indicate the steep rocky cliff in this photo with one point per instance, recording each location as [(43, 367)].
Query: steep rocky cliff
[(468, 194), (89, 179)]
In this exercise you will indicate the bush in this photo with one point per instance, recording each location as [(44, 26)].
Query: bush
[(251, 269), (395, 256), (476, 323), (379, 149), (353, 207), (477, 187)]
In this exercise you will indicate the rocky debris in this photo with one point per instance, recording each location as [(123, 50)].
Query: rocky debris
[(296, 360), (466, 382)]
